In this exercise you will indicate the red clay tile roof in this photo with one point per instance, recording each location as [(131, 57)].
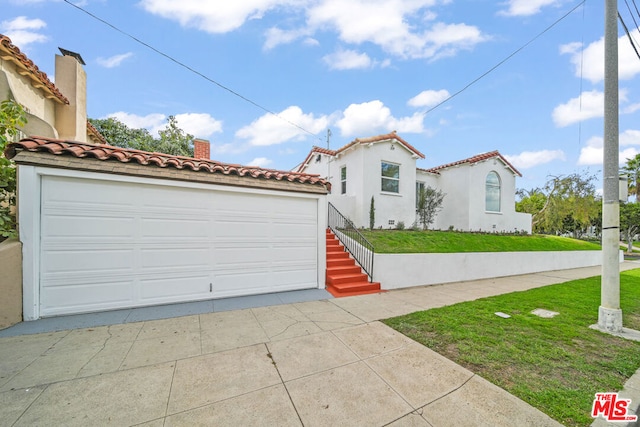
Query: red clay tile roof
[(475, 159), (40, 79), (315, 149), (368, 140), (379, 138), (95, 134), (126, 155)]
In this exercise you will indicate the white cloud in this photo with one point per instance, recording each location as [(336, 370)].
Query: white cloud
[(428, 98), (212, 17), (630, 137), (370, 117), (260, 162), (114, 61), (526, 7), (593, 153), (271, 130), (590, 65), (275, 37), (529, 159), (23, 31), (389, 24), (200, 125), (588, 106), (386, 23), (348, 60), (152, 122)]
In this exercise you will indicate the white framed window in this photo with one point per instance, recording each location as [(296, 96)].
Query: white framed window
[(390, 173), (343, 180), (419, 190), (492, 192)]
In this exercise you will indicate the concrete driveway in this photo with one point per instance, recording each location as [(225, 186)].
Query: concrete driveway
[(324, 363)]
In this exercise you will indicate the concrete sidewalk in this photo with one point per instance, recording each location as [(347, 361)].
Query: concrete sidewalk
[(327, 363)]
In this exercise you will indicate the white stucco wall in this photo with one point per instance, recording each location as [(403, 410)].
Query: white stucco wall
[(405, 270), (389, 206), (21, 88), (464, 205), (464, 187)]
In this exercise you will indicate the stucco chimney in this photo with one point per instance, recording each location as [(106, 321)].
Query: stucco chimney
[(201, 149), (71, 80)]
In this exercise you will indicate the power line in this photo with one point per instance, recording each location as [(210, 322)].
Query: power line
[(514, 53), (626, 30), (183, 65), (632, 17), (167, 56)]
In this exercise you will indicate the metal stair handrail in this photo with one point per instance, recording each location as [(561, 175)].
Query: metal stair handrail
[(358, 246)]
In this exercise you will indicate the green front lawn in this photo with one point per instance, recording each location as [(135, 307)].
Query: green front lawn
[(556, 364), (397, 241)]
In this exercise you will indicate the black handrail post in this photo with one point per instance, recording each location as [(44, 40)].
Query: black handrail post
[(357, 245)]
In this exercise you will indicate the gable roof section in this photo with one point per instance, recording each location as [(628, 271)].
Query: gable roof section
[(10, 52), (108, 153), (476, 159), (357, 141)]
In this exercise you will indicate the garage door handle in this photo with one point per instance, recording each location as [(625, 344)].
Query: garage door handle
[(210, 287)]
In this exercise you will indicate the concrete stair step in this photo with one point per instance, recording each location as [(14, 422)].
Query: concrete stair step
[(354, 288), (340, 279), (340, 262), (344, 269), (337, 255)]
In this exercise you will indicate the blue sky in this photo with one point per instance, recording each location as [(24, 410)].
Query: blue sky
[(358, 67)]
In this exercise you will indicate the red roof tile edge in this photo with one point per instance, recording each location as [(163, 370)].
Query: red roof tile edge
[(377, 138), (475, 159), (33, 68), (126, 155)]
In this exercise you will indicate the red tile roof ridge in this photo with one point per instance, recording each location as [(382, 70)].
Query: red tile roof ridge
[(21, 58), (125, 155), (367, 140), (383, 137), (475, 159)]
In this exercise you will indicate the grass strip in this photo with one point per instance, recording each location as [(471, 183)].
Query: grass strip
[(404, 241), (555, 364)]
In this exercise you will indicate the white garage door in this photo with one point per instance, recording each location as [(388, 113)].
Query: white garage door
[(107, 245)]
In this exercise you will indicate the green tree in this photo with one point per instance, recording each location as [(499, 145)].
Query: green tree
[(629, 222), (632, 170), (12, 117), (429, 204), (172, 140), (372, 214), (564, 204)]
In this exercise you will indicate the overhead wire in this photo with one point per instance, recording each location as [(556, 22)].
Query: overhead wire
[(193, 70), (626, 29), (250, 101), (514, 53)]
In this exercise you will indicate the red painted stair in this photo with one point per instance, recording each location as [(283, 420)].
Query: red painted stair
[(345, 277)]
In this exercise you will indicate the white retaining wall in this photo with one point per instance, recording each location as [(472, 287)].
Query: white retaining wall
[(405, 270)]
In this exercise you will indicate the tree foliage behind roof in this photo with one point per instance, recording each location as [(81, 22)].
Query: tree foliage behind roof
[(171, 140)]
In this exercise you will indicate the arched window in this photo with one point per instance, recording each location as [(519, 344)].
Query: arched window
[(492, 192)]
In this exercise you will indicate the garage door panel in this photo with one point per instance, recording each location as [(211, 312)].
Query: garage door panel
[(86, 261), (173, 227), (176, 288), (86, 297), (175, 258), (107, 244), (72, 226)]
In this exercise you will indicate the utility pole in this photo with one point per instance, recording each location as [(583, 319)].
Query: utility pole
[(609, 312)]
